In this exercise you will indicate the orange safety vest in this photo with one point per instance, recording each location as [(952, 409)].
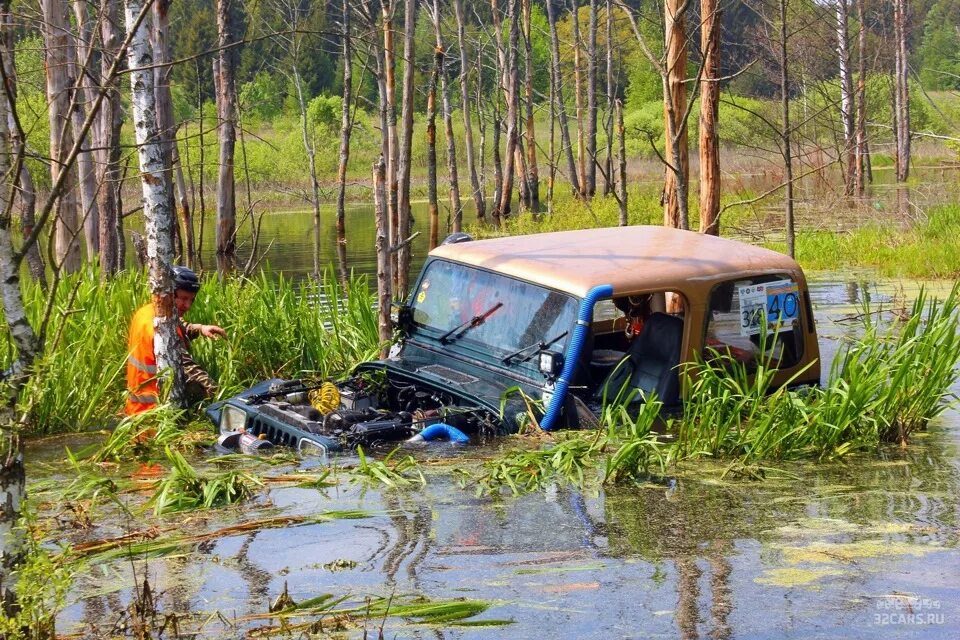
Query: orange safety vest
[(143, 391)]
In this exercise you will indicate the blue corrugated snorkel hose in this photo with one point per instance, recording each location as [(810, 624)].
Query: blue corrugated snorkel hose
[(572, 356)]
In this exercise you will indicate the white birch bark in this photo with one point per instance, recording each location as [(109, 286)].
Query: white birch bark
[(81, 62), (156, 201)]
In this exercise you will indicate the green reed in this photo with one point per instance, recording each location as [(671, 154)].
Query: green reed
[(277, 328), (186, 489), (399, 471)]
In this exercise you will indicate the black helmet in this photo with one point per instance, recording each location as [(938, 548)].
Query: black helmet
[(185, 279), (457, 238)]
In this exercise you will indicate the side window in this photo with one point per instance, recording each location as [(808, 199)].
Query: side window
[(745, 315)]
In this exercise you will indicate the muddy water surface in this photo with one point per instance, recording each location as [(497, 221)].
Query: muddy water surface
[(859, 549)]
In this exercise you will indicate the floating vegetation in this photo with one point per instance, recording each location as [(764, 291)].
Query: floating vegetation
[(402, 472), (184, 489)]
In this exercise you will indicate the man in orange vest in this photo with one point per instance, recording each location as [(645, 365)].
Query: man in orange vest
[(143, 391)]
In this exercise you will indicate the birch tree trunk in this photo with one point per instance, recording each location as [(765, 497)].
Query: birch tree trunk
[(111, 121), (901, 89), (556, 78), (406, 147), (159, 40), (384, 278), (861, 133), (456, 207), (12, 472), (346, 128), (709, 107), (57, 44), (676, 182), (786, 133), (478, 198), (591, 168), (846, 97), (86, 167), (227, 117), (532, 173), (432, 150), (158, 215)]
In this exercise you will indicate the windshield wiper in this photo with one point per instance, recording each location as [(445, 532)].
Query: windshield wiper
[(540, 346), (458, 331)]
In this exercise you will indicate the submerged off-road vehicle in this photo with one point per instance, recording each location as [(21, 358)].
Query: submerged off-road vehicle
[(566, 319)]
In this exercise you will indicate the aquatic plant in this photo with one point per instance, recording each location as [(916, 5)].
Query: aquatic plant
[(401, 472), (185, 489)]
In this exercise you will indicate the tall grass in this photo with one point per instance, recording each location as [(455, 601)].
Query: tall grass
[(882, 387), (276, 327)]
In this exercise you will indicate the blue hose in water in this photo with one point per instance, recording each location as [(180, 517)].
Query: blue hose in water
[(572, 356), (442, 431)]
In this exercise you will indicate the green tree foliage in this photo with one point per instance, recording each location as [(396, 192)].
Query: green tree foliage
[(939, 51)]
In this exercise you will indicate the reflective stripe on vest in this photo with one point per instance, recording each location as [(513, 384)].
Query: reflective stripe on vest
[(145, 399), (149, 369)]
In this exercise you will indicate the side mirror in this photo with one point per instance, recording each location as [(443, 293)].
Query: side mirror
[(402, 317)]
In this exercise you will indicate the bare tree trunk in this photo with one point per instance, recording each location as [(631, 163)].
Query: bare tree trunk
[(709, 107), (86, 166), (482, 129), (578, 98), (202, 155), (346, 128), (12, 473), (156, 203), (786, 132), (478, 198), (552, 144), (406, 148), (432, 150), (591, 175), (57, 44), (861, 133), (311, 151), (502, 209), (556, 79), (609, 180), (676, 182), (27, 190), (456, 207), (389, 77), (846, 97), (384, 278), (622, 160), (532, 173), (501, 74), (902, 88), (160, 40), (227, 117)]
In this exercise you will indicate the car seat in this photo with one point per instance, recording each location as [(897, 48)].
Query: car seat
[(651, 363)]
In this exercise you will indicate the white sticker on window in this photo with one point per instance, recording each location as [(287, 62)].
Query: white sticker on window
[(779, 300)]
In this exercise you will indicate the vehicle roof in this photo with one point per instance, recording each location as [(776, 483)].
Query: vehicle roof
[(631, 259)]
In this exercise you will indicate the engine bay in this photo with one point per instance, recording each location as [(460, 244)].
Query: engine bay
[(364, 410)]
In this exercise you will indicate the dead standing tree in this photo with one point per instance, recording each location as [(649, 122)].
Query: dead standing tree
[(478, 198), (404, 220), (440, 59), (510, 81), (901, 93), (556, 81), (346, 129), (227, 125), (709, 112), (846, 97), (677, 106)]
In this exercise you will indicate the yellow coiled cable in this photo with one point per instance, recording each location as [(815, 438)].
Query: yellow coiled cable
[(326, 398)]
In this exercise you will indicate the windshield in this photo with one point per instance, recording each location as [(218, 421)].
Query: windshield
[(489, 311)]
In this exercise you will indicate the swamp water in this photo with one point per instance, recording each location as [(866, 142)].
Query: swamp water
[(854, 549)]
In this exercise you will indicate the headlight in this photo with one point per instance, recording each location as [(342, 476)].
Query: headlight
[(232, 419)]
